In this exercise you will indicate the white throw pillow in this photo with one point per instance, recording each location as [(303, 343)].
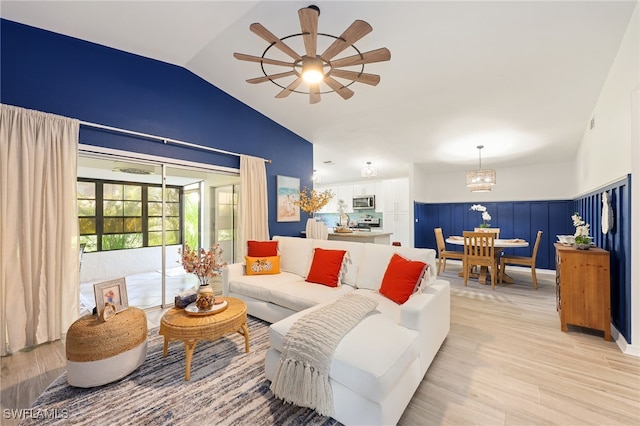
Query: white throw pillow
[(295, 254)]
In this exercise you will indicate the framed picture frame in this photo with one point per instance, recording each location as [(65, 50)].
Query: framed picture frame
[(112, 291), (288, 193)]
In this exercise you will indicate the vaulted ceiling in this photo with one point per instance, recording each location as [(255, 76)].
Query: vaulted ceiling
[(521, 78)]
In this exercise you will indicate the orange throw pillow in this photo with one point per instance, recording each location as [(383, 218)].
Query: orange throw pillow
[(326, 266), (262, 248), (402, 278), (262, 265)]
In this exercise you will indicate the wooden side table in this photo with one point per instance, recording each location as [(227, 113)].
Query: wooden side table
[(177, 324), (583, 288)]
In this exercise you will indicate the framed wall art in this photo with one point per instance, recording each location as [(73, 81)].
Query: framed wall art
[(288, 193), (112, 291)]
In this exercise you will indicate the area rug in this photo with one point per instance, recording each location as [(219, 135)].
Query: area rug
[(227, 387)]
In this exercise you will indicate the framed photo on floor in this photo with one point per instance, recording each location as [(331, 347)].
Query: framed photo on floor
[(112, 291), (288, 190)]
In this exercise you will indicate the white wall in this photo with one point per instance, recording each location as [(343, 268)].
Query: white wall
[(539, 182), (611, 150), (604, 154), (105, 265)]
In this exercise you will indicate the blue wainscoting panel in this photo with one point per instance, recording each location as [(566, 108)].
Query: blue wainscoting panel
[(523, 219), (617, 242), (520, 219)]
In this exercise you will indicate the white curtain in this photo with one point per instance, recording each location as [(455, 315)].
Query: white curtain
[(253, 212), (38, 227)]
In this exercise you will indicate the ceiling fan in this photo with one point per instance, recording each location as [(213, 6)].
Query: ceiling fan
[(314, 68)]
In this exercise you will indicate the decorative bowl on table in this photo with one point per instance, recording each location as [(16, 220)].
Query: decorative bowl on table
[(567, 240)]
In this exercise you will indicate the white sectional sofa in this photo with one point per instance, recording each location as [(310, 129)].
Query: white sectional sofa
[(378, 365)]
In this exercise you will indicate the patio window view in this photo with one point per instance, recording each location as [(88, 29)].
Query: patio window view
[(117, 215), (121, 220)]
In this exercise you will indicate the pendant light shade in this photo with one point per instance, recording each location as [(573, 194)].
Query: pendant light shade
[(481, 180), (368, 171)]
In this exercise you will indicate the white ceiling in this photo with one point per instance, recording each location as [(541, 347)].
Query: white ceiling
[(521, 78)]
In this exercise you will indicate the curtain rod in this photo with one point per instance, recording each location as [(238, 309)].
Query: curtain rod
[(164, 140)]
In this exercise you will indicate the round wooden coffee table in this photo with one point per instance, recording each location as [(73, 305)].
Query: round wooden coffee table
[(177, 324)]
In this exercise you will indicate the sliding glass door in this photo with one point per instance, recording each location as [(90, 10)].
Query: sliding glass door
[(136, 215)]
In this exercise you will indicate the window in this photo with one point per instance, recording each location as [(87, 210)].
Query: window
[(123, 215)]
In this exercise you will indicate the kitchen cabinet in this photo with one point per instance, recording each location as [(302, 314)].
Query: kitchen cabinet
[(345, 193), (396, 195), (340, 192), (583, 295), (368, 188), (399, 225), (396, 217)]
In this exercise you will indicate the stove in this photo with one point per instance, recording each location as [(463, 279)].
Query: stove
[(366, 223)]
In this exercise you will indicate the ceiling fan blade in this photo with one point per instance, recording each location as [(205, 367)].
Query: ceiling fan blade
[(378, 55), (362, 77), (355, 32), (289, 89), (251, 58), (270, 77), (314, 93), (339, 88), (309, 25), (264, 33)]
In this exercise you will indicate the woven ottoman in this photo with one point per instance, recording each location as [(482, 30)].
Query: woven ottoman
[(102, 352)]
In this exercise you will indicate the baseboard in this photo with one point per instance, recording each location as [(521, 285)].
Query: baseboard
[(625, 347)]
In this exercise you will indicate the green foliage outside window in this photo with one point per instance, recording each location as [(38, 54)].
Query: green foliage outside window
[(111, 215)]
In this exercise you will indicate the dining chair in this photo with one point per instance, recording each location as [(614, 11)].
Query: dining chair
[(494, 230), (523, 260), (443, 253), (479, 250)]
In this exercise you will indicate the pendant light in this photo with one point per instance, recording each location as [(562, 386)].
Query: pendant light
[(368, 171), (481, 180)]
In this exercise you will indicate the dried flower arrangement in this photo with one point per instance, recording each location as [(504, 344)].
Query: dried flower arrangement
[(311, 201)]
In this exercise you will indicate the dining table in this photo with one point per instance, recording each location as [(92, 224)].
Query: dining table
[(500, 244)]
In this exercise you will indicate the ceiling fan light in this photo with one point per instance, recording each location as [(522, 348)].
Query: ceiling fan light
[(312, 71)]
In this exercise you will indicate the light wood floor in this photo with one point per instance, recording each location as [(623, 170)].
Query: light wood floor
[(505, 362)]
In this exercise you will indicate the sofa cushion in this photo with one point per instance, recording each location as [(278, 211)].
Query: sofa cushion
[(299, 294), (258, 286), (370, 359), (376, 258), (262, 265), (349, 273), (262, 248), (326, 266), (295, 254), (402, 278)]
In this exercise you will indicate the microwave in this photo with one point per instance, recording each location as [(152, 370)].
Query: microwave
[(364, 202)]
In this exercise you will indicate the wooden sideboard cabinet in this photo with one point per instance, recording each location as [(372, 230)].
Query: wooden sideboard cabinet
[(583, 295)]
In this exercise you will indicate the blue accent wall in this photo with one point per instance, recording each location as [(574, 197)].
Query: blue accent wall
[(524, 219), (62, 75), (617, 242), (521, 219)]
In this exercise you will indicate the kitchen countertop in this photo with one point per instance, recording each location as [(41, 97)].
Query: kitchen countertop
[(361, 234)]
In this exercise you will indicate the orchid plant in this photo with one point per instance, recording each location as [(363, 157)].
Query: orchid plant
[(486, 217), (582, 229)]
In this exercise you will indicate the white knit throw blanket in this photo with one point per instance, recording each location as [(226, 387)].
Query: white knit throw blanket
[(302, 376)]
